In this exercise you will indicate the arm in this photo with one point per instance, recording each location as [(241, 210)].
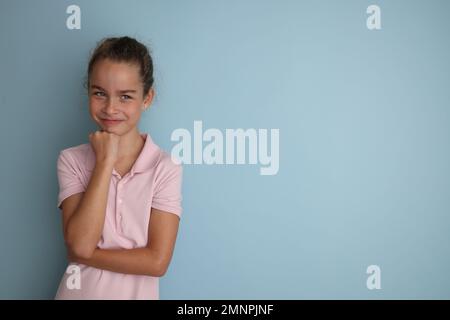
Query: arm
[(83, 221), (152, 260)]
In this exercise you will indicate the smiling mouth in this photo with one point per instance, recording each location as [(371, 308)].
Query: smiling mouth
[(107, 121)]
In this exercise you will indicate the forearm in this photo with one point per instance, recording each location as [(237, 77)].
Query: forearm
[(85, 226), (139, 261)]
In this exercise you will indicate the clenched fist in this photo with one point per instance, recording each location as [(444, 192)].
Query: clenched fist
[(105, 145)]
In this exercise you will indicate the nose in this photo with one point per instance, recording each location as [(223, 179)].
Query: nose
[(109, 107)]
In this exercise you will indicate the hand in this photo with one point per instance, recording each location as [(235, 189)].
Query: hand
[(105, 145)]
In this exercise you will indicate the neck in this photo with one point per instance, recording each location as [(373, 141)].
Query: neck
[(130, 144)]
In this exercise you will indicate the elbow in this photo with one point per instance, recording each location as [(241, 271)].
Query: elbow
[(162, 271), (158, 269), (163, 266), (80, 251), (83, 252), (78, 247)]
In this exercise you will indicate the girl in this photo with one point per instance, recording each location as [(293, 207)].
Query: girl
[(120, 194)]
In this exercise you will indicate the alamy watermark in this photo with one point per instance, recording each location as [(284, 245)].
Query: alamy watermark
[(73, 281), (255, 143), (374, 280)]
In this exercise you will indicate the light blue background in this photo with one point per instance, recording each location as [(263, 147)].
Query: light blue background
[(364, 142)]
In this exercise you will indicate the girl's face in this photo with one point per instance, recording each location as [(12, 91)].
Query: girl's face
[(115, 93)]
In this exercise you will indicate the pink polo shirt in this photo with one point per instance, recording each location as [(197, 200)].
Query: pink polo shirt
[(153, 181)]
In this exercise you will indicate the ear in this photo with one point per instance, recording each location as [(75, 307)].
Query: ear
[(149, 98)]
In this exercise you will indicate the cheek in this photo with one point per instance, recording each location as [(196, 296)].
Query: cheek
[(133, 112), (93, 104), (93, 108), (137, 115)]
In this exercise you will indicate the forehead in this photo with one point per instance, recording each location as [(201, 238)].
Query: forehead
[(115, 75)]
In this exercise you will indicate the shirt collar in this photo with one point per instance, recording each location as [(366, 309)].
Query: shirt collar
[(147, 159)]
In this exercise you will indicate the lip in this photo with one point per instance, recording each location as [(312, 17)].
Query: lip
[(111, 122)]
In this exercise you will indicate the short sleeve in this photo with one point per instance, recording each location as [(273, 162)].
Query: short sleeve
[(69, 181), (167, 194)]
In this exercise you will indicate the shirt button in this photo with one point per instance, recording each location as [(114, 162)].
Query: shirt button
[(120, 200)]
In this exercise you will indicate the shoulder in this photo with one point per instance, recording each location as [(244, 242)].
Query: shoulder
[(77, 155), (167, 166), (166, 160)]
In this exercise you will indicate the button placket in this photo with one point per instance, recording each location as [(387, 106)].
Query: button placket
[(119, 206)]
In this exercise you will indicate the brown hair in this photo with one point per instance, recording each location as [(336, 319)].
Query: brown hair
[(124, 49)]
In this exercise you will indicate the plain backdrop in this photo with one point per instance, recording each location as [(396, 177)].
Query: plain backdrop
[(363, 116)]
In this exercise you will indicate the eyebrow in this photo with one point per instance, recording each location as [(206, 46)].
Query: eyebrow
[(121, 91)]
